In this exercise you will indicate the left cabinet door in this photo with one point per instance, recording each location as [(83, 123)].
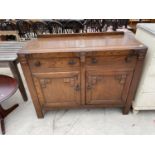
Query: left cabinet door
[(58, 89)]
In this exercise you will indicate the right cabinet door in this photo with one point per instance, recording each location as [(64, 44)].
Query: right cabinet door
[(107, 87)]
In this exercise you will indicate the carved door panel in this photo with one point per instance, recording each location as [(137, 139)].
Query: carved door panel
[(58, 89), (107, 87)]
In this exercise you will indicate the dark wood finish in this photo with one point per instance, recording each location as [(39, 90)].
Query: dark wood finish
[(8, 87), (83, 70)]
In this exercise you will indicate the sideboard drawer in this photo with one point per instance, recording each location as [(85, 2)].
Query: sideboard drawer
[(49, 63), (110, 61)]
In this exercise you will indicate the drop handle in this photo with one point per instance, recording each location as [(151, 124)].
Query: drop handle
[(94, 60), (77, 87), (89, 87), (72, 62), (37, 63)]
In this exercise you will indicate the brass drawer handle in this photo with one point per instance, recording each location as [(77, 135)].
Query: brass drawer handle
[(77, 87), (37, 64), (94, 60), (72, 62), (89, 87)]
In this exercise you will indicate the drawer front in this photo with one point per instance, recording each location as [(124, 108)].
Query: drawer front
[(113, 62), (46, 64)]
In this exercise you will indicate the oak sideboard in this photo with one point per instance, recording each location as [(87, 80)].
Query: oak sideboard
[(83, 70)]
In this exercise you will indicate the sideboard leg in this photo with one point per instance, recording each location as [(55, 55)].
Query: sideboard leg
[(40, 114), (134, 82), (126, 110)]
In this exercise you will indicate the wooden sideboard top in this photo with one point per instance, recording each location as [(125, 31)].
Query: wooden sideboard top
[(84, 42)]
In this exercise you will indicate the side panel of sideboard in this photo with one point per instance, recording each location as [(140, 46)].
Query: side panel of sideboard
[(135, 80), (28, 76)]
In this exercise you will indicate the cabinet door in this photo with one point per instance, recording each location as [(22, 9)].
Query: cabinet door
[(58, 88), (110, 87)]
